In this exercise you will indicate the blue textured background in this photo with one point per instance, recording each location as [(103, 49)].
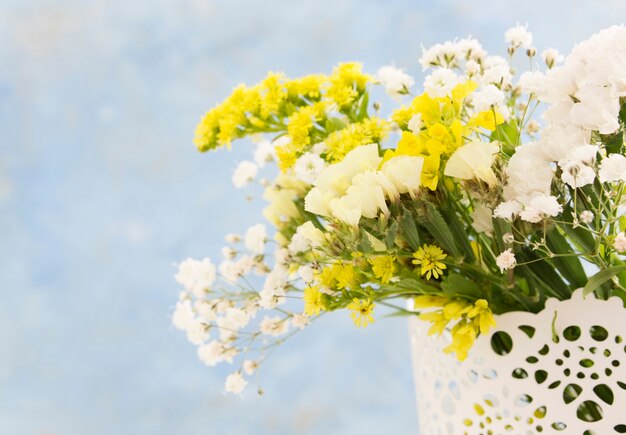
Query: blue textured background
[(101, 191)]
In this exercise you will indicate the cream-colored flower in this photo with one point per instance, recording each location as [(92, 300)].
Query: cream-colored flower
[(405, 172), (347, 209), (474, 160), (314, 235), (317, 202)]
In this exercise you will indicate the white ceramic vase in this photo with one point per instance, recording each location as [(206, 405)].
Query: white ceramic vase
[(562, 370)]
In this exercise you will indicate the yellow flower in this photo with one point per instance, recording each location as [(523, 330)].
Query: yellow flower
[(383, 267), (346, 83), (286, 157), (482, 316), (273, 94), (341, 142), (361, 311), (309, 87), (344, 274), (463, 337), (313, 303), (429, 256), (487, 120)]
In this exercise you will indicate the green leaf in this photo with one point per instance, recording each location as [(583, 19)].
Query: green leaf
[(390, 236), (411, 286), (506, 134), (459, 233), (376, 243), (409, 230), (437, 226), (569, 267), (622, 223), (613, 142), (601, 277), (334, 124), (362, 114), (457, 285), (365, 245)]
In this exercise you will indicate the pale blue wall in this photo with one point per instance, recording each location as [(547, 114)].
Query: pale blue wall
[(101, 191)]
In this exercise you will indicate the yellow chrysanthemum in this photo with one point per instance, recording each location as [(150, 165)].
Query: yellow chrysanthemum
[(383, 267), (361, 311), (313, 303), (429, 257)]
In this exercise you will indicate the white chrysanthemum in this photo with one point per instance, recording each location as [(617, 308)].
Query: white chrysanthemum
[(613, 168), (395, 81), (183, 315), (619, 243), (249, 366), (540, 207), (255, 238), (264, 153), (506, 260), (235, 383), (244, 173), (300, 321), (586, 217), (508, 210), (519, 36), (306, 273), (196, 276), (308, 167), (274, 326), (440, 82), (415, 123), (211, 353), (552, 57), (197, 332)]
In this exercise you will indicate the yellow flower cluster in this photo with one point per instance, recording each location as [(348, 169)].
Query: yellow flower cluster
[(361, 311), (313, 301), (442, 128), (339, 276), (469, 320), (347, 83), (341, 142), (383, 267)]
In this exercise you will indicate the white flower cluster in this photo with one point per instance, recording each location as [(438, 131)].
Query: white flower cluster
[(583, 98)]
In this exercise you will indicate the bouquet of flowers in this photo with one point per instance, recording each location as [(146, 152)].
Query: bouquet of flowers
[(488, 191)]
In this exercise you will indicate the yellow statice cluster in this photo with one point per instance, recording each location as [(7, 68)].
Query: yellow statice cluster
[(433, 128), (383, 267), (341, 142), (468, 319)]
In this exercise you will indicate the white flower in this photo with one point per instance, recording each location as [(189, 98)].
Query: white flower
[(489, 96), (306, 273), (471, 49), (197, 332), (596, 109), (619, 243), (249, 367), (255, 238), (586, 217), (519, 36), (264, 153), (300, 321), (613, 168), (551, 57), (474, 160), (472, 68), (540, 207), (481, 219), (508, 238), (235, 383), (298, 243), (405, 173), (308, 167), (370, 198), (415, 123), (317, 202), (229, 270), (508, 210), (506, 260), (274, 288), (314, 235), (576, 174), (228, 253), (532, 82), (395, 81), (237, 318), (205, 310), (440, 83), (244, 173), (232, 238), (196, 276), (212, 353), (274, 326), (183, 315), (347, 209)]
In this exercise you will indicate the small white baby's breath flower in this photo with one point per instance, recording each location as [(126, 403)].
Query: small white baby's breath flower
[(274, 326), (255, 238), (619, 243), (235, 383), (196, 276), (519, 36), (197, 332), (211, 353), (249, 366), (183, 315), (306, 273), (613, 168), (506, 260), (244, 173), (228, 253), (300, 321), (508, 238), (551, 57), (232, 238), (264, 153), (308, 167), (586, 217)]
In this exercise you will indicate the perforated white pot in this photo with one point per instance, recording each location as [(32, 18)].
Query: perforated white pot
[(565, 373)]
